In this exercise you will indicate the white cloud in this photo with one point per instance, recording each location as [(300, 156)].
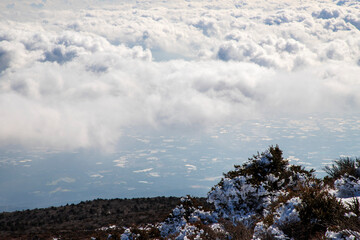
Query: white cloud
[(191, 167), (25, 161), (79, 81), (145, 182), (121, 162), (96, 175), (143, 170), (59, 189), (64, 179), (293, 158), (199, 187), (152, 158), (211, 179), (154, 174)]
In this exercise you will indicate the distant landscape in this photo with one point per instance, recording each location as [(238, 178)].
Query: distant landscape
[(126, 98), (180, 119), (264, 198)]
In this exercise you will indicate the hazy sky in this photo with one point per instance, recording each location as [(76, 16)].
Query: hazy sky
[(77, 75)]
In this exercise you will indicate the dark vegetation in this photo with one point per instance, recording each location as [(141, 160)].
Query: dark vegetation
[(80, 221), (342, 166)]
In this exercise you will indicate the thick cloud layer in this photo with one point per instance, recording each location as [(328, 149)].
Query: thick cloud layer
[(76, 76)]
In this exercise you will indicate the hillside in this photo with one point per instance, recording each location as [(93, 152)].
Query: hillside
[(81, 220)]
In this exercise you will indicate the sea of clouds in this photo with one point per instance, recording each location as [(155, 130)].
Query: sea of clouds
[(76, 74)]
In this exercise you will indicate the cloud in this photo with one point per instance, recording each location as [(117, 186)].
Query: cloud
[(10, 5), (96, 176), (37, 5), (143, 170), (154, 174), (190, 167), (145, 182), (326, 13), (121, 162), (25, 161), (199, 187), (79, 82), (64, 179), (59, 189), (211, 178)]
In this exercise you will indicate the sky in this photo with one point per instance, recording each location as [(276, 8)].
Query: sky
[(107, 98)]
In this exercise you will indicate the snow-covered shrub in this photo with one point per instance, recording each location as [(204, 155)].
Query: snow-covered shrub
[(244, 193), (262, 231), (344, 178), (284, 217), (174, 223), (354, 208), (287, 213), (127, 235), (302, 215), (267, 198), (184, 220), (344, 166), (342, 235), (319, 210), (347, 186), (238, 200)]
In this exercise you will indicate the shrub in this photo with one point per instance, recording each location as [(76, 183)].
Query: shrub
[(184, 219), (319, 210), (344, 177), (347, 186), (342, 166), (244, 193), (302, 215)]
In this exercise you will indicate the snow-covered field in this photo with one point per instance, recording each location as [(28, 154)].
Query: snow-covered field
[(76, 76)]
